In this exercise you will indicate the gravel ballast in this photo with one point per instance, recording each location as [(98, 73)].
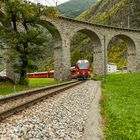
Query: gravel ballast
[(61, 117)]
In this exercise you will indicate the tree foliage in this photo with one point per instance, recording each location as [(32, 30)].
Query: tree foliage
[(114, 13), (74, 8), (24, 37)]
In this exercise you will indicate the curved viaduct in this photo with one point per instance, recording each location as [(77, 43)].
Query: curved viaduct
[(100, 35), (63, 29)]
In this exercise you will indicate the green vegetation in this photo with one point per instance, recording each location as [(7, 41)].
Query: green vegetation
[(121, 107), (114, 13), (25, 38), (2, 59), (81, 48), (107, 12), (74, 8), (7, 88), (117, 53)]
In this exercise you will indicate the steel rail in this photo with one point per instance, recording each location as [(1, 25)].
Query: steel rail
[(7, 113), (32, 91)]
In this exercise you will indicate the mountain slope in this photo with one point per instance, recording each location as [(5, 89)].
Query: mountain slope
[(114, 12), (120, 13), (107, 12), (74, 8)]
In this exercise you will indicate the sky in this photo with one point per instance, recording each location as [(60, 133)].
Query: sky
[(49, 2)]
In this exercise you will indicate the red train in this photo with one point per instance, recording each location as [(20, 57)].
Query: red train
[(83, 69), (80, 71), (47, 74)]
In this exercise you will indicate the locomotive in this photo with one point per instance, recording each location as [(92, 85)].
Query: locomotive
[(83, 69), (80, 71)]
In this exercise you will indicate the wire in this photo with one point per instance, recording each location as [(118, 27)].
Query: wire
[(55, 2), (49, 3)]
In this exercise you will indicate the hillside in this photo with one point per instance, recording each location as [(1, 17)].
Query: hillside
[(106, 12), (124, 13), (114, 12), (74, 8)]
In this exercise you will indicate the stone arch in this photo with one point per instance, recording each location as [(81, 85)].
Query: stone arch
[(52, 28), (88, 31), (97, 48), (131, 50)]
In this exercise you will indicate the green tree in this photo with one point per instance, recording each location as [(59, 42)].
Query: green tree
[(24, 37)]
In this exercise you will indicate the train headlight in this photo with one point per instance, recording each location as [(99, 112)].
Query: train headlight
[(88, 72)]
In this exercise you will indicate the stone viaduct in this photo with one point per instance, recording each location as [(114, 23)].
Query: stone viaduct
[(63, 29), (100, 35)]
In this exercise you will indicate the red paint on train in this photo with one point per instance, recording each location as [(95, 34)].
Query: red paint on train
[(81, 70)]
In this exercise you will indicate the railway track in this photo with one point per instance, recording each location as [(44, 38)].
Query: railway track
[(13, 104)]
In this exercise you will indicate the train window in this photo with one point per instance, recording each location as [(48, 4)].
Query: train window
[(83, 65)]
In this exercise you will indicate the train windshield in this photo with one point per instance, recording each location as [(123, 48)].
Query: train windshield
[(83, 64)]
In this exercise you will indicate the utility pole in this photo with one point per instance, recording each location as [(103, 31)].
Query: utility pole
[(56, 3), (14, 87), (105, 62)]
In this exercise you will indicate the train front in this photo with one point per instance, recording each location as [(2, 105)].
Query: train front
[(83, 69)]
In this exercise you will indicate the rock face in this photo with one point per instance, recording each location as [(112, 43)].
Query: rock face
[(124, 13), (120, 13)]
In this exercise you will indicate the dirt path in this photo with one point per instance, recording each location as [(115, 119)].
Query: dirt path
[(93, 127)]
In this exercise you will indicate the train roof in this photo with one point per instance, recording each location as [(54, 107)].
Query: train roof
[(38, 72), (81, 61), (41, 72)]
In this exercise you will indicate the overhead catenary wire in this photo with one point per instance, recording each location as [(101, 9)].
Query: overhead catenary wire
[(49, 3), (55, 2)]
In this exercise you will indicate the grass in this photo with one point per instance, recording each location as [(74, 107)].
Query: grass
[(7, 88), (121, 107), (97, 78)]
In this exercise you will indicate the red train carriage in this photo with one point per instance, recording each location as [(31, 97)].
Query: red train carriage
[(73, 72), (51, 74), (83, 69), (80, 71), (37, 75)]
